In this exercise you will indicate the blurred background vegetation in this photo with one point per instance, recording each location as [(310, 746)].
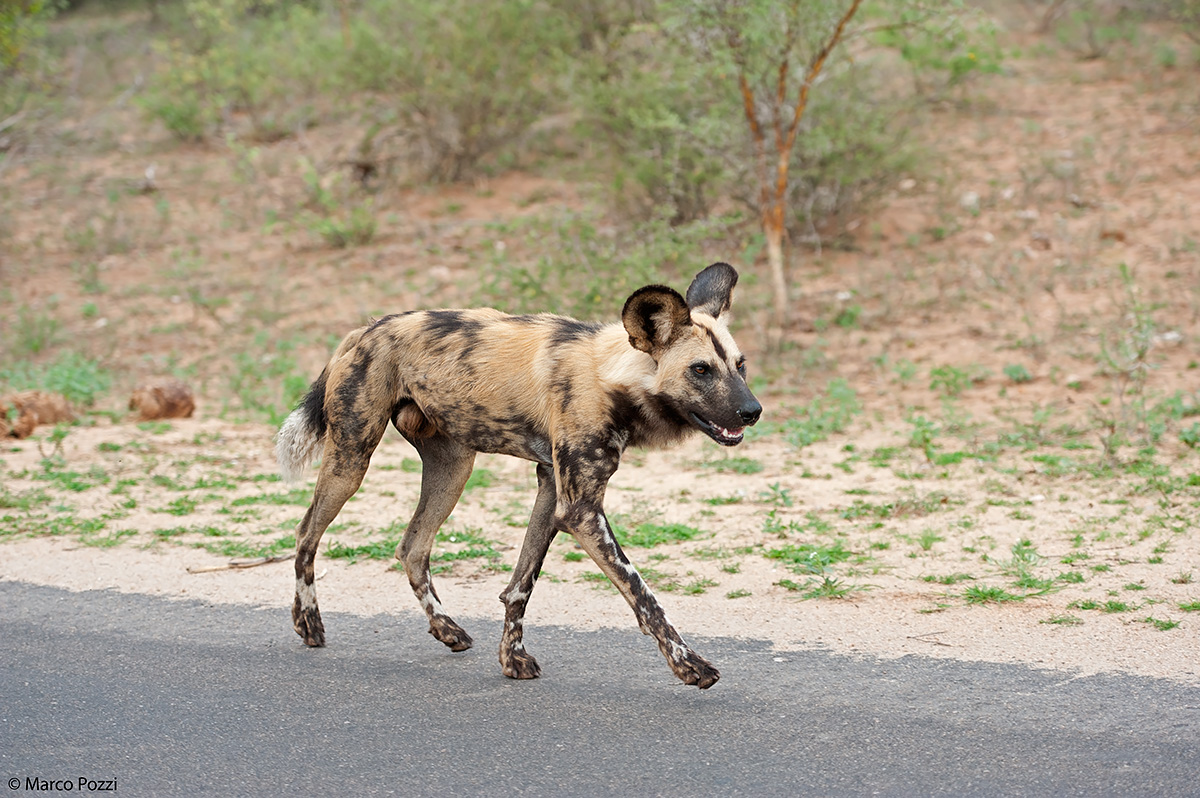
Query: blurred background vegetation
[(670, 109)]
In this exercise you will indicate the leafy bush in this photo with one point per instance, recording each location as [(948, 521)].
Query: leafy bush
[(76, 377), (465, 84), (664, 98), (257, 58), (340, 221), (572, 266), (22, 58), (665, 120), (1017, 373), (1090, 28)]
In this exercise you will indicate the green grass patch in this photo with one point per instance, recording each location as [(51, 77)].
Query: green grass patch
[(25, 500), (983, 594), (1063, 620), (297, 497), (480, 478), (810, 558), (825, 587), (55, 472), (247, 550), (718, 501), (823, 416), (948, 579), (184, 505), (649, 535), (76, 377), (1161, 625), (375, 550), (698, 586), (735, 465)]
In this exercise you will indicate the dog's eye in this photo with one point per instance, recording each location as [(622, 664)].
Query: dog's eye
[(741, 366), (700, 368)]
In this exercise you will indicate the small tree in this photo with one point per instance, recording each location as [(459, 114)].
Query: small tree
[(777, 54)]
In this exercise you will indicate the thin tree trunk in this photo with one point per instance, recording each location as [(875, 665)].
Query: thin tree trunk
[(344, 13), (773, 230)]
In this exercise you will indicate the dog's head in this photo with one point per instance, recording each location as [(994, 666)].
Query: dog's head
[(701, 372)]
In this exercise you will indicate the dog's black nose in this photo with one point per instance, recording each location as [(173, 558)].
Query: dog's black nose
[(750, 412)]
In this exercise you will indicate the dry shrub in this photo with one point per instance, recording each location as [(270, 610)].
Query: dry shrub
[(167, 398), (24, 411)]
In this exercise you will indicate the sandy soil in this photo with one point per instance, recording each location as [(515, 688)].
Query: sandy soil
[(892, 613)]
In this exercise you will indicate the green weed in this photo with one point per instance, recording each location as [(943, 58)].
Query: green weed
[(71, 374), (809, 558), (735, 465), (1160, 624), (384, 549), (648, 535), (823, 416), (980, 594), (949, 579), (1064, 620), (826, 587), (1017, 373), (297, 497)]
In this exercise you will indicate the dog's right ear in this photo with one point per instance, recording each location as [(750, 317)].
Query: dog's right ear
[(654, 317)]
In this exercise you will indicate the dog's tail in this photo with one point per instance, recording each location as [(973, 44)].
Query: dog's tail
[(302, 435)]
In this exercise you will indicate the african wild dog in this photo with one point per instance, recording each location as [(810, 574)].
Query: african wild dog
[(568, 395)]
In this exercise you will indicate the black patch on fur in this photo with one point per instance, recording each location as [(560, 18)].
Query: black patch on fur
[(567, 330), (381, 322), (638, 419), (351, 422), (440, 323), (720, 350), (313, 404), (585, 466), (562, 388)]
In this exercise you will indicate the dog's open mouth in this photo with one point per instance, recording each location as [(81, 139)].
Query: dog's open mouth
[(725, 437)]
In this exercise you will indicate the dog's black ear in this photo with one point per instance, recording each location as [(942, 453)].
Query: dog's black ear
[(712, 290), (655, 316)]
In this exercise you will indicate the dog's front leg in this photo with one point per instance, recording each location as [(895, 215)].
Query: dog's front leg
[(587, 522)]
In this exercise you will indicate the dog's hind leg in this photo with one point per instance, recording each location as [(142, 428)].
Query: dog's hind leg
[(445, 468), (345, 463), (515, 661)]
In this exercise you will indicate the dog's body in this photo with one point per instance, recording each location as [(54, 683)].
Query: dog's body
[(568, 395)]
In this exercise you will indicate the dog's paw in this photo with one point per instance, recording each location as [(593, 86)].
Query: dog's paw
[(307, 623), (691, 668), (450, 633), (517, 663)]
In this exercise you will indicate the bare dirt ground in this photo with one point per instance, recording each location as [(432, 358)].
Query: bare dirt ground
[(960, 508)]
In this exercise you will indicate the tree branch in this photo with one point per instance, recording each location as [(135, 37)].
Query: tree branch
[(814, 70)]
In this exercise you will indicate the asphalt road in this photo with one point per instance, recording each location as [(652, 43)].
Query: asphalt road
[(182, 698)]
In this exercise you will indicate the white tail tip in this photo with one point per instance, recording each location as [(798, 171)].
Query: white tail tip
[(296, 446)]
